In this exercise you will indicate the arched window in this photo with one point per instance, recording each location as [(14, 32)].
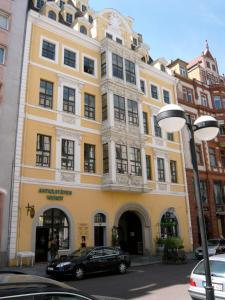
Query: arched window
[(169, 225), (52, 15), (83, 29), (100, 229)]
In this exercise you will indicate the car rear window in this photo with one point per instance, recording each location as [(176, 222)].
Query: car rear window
[(217, 268)]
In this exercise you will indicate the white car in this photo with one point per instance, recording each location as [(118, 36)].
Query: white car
[(198, 281)]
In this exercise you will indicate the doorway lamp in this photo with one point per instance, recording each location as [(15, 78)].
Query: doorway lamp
[(172, 118)]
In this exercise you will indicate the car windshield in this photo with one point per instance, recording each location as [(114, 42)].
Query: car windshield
[(213, 242), (217, 268), (81, 252)]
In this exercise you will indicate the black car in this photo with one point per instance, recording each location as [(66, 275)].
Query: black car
[(90, 260), (17, 286)]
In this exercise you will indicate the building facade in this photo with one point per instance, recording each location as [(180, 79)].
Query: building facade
[(201, 92), (92, 163), (12, 27)]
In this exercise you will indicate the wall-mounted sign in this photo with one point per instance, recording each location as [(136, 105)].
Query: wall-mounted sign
[(83, 229), (53, 194)]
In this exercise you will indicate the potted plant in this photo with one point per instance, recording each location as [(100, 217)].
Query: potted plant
[(160, 243), (174, 251)]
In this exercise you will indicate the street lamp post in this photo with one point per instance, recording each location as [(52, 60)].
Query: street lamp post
[(172, 118)]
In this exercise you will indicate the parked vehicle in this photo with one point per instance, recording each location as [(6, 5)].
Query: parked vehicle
[(198, 280), (215, 246), (17, 286), (90, 260)]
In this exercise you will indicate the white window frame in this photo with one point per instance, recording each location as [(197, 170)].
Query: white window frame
[(77, 67), (4, 54), (95, 65), (2, 13), (165, 89), (43, 38), (166, 168), (158, 91)]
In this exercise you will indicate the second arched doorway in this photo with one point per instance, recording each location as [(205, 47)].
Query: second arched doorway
[(130, 233)]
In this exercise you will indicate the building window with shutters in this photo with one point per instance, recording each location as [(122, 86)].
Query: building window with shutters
[(148, 167), (132, 112), (135, 161), (121, 159), (43, 151), (89, 158), (105, 158), (67, 155), (46, 94), (161, 169), (119, 108), (69, 100), (173, 171)]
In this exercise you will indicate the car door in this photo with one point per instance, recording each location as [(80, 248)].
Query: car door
[(95, 261), (111, 258)]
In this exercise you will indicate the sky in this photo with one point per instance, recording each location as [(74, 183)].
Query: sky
[(176, 28)]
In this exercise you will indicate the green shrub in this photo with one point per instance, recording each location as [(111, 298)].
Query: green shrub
[(173, 251), (174, 242)]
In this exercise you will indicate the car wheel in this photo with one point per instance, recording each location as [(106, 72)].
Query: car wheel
[(122, 268), (79, 273)]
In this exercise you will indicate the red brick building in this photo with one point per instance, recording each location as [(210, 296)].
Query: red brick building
[(201, 91)]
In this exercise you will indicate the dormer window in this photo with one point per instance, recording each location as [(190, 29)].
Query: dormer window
[(208, 64), (109, 36), (69, 18), (84, 8), (163, 68), (183, 71), (40, 3), (90, 19), (135, 42), (61, 3), (214, 68), (119, 41), (83, 30), (52, 15)]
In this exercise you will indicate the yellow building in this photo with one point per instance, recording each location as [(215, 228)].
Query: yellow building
[(91, 160)]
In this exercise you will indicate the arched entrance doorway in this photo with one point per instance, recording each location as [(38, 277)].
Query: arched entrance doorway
[(130, 233), (53, 223)]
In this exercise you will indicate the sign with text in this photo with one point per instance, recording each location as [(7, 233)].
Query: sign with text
[(54, 194)]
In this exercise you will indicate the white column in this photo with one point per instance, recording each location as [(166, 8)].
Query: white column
[(143, 165), (58, 159), (140, 114), (137, 76), (60, 101), (112, 160), (78, 105), (77, 160), (110, 106), (109, 64)]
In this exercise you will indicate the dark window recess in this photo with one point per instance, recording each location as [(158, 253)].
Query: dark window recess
[(103, 64), (43, 151), (83, 30), (135, 41), (109, 36), (40, 3), (162, 68), (154, 91), (161, 169), (70, 58), (90, 19), (104, 107), (222, 155), (158, 131), (105, 158), (170, 136), (89, 66), (89, 106), (117, 64), (67, 156), (119, 108), (148, 167), (46, 94), (89, 158), (218, 192), (121, 159), (199, 154), (135, 161), (173, 171), (61, 3), (48, 50), (203, 191), (130, 71), (166, 96), (132, 112), (52, 15), (142, 85), (145, 122), (119, 41), (69, 18), (68, 100), (222, 129), (84, 8), (212, 157)]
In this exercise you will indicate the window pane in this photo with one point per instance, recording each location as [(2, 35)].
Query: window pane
[(89, 65), (3, 21), (69, 58), (89, 106), (2, 54), (48, 50)]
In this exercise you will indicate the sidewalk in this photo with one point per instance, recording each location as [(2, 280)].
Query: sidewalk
[(39, 268)]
